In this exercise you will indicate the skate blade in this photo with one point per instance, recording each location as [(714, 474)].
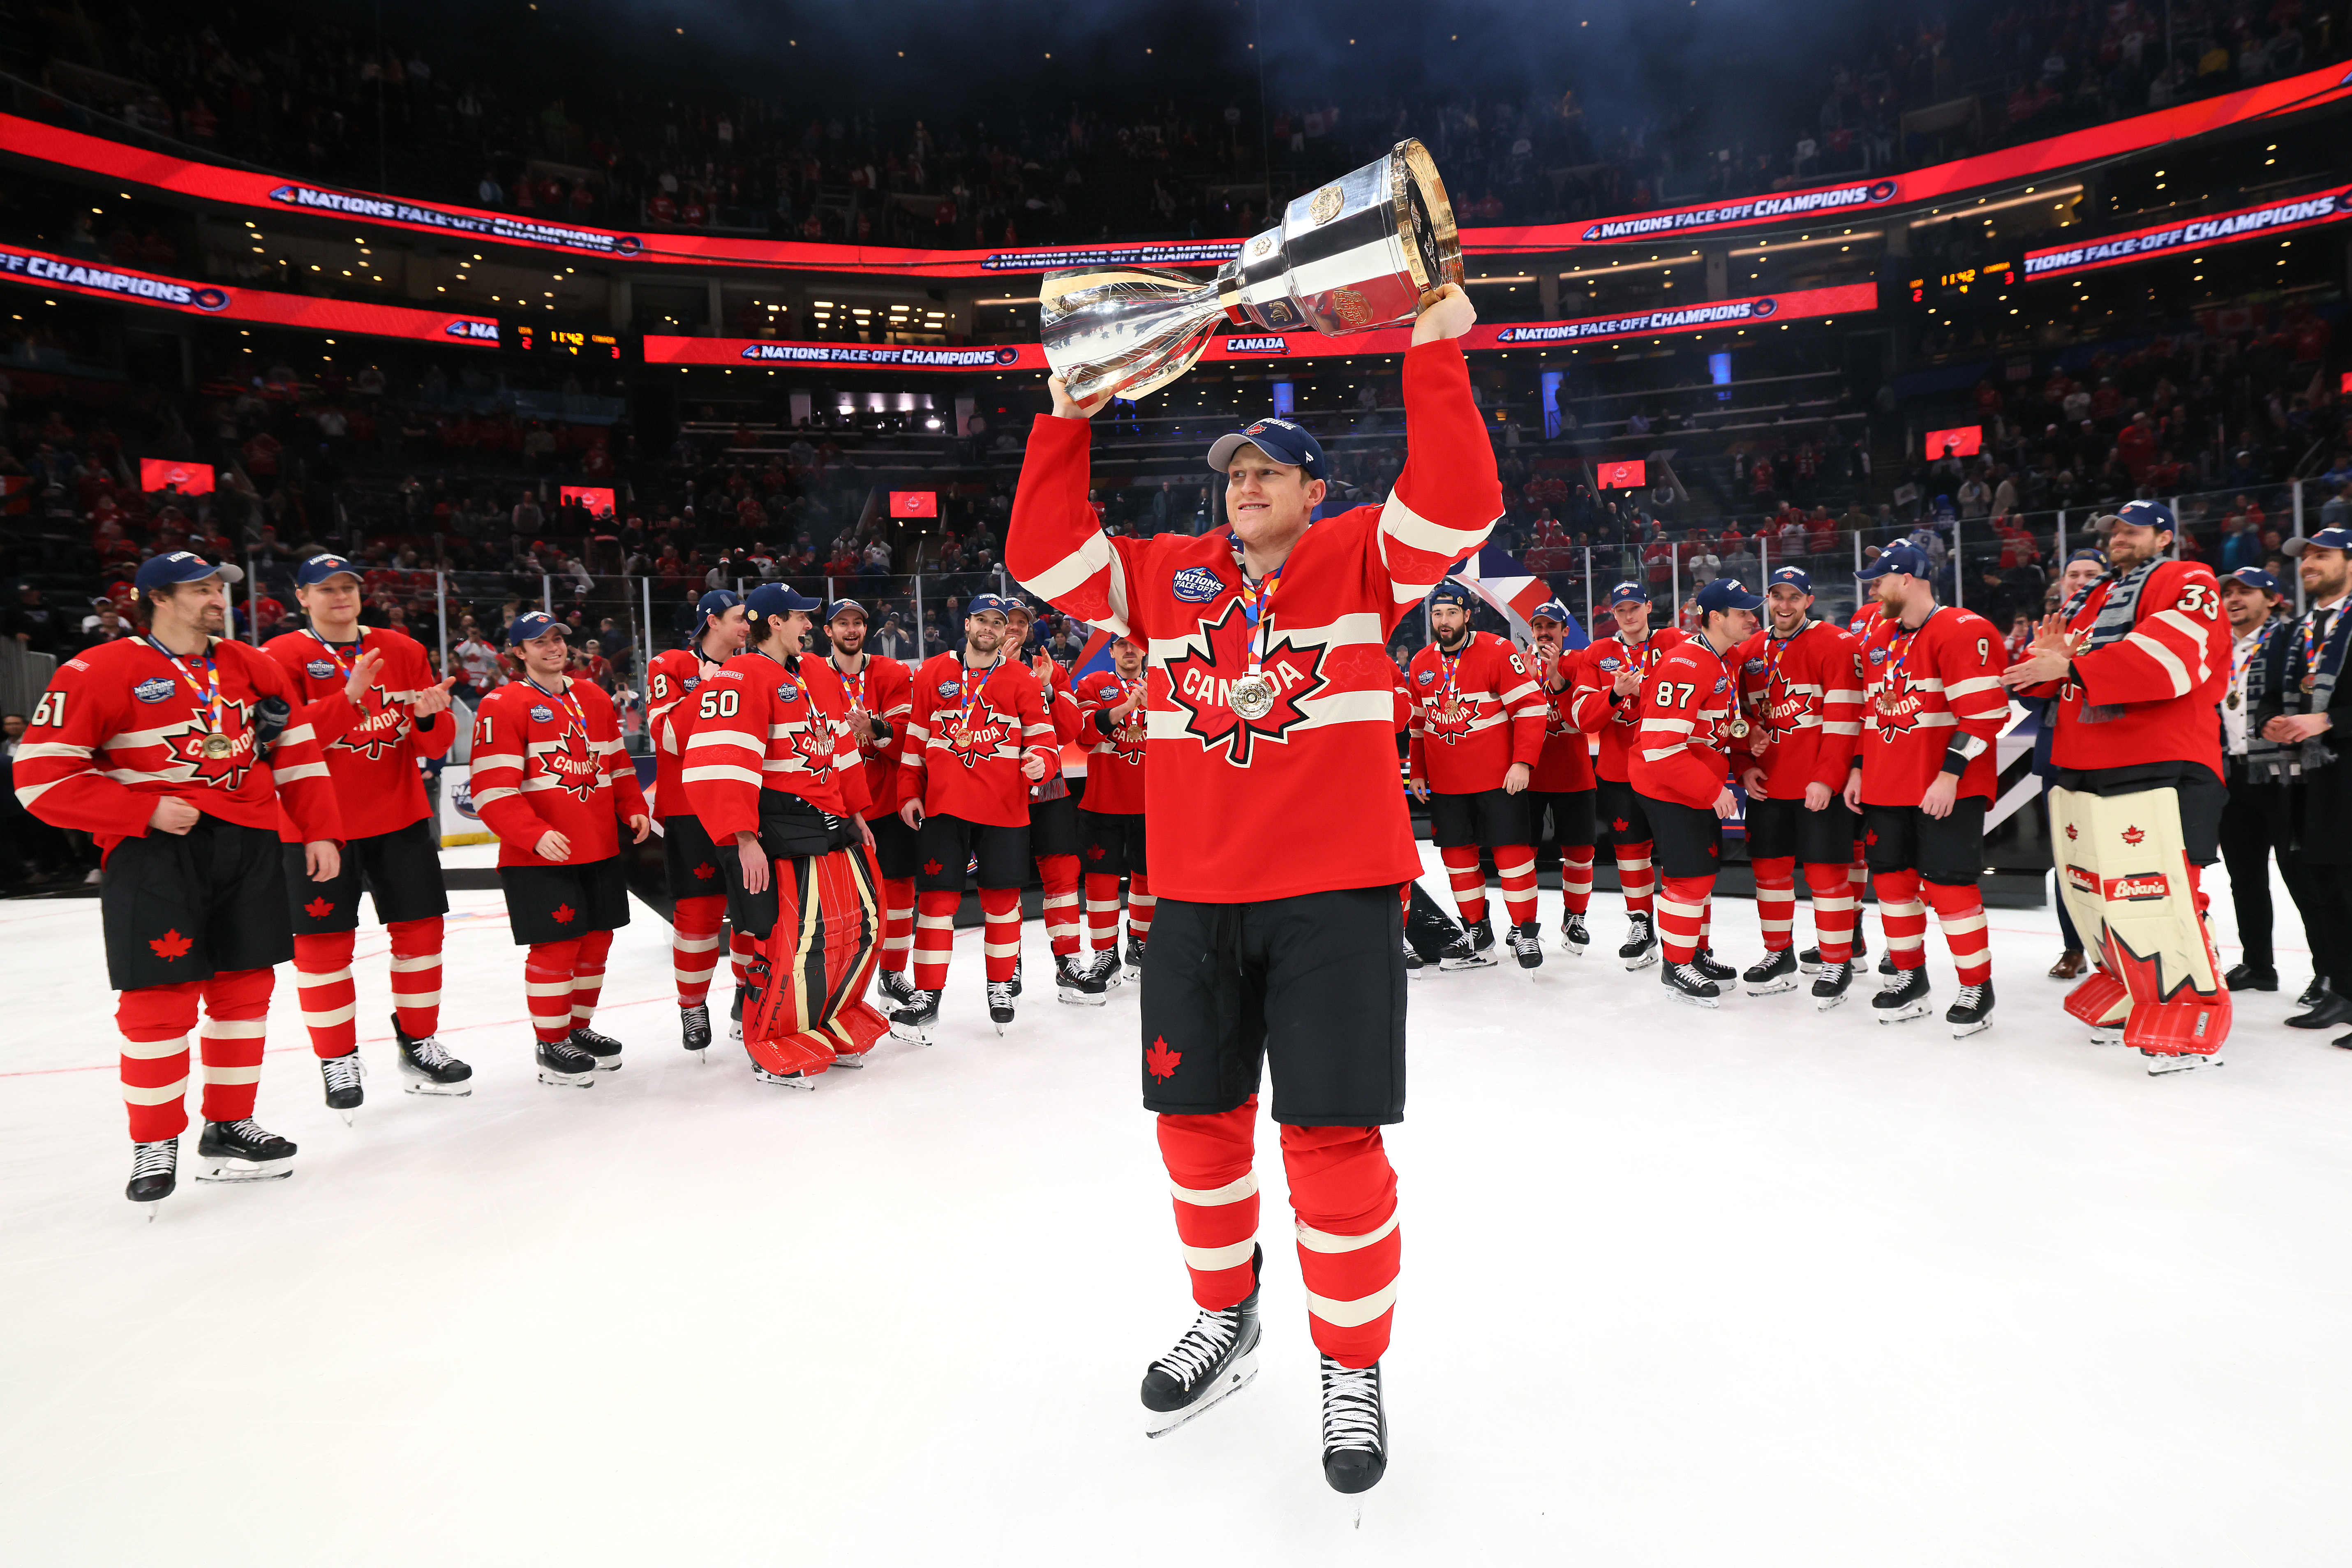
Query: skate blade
[(350, 1117), (2107, 1037), (785, 1081), (1823, 1004), (1576, 950), (458, 1090), (1132, 972), (1962, 1031), (1773, 988), (1451, 965), (1805, 968), (608, 1064), (913, 1034), (1710, 1003), (245, 1171), (1001, 1025), (1236, 1377), (1648, 957), (1416, 972), (1083, 999), (2164, 1066), (567, 1080), (1905, 1013), (855, 1063)]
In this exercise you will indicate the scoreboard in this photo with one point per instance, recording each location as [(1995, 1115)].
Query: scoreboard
[(1962, 279), (533, 339)]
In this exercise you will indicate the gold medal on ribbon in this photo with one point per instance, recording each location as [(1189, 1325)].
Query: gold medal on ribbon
[(2309, 681), (2233, 699), (217, 747), (1252, 696), (1736, 729)]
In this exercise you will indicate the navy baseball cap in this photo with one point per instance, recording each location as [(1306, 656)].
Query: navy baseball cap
[(319, 568), (2098, 555), (533, 623), (2143, 514), (177, 566), (2255, 577), (1907, 559), (1452, 590), (984, 604), (1727, 593), (1016, 605), (1628, 594), (717, 602), (841, 608), (2326, 539), (1550, 610), (771, 600), (1278, 439), (1794, 576)]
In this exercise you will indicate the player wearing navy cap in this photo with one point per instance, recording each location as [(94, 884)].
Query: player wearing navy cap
[(1681, 767), (698, 888), (551, 781), (2253, 820), (1798, 682), (369, 694), (1610, 685), (1559, 795), (881, 695), (1923, 778)]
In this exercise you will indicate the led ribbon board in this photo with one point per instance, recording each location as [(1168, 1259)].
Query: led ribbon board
[(2287, 216), (67, 275)]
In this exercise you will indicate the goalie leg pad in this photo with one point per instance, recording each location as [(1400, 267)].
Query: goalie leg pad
[(814, 963), (2125, 866)]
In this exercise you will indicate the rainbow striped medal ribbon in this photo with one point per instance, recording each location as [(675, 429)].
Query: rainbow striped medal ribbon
[(1896, 661), (215, 745), (1253, 693)]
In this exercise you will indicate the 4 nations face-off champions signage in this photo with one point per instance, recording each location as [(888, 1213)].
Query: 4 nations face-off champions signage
[(2286, 216)]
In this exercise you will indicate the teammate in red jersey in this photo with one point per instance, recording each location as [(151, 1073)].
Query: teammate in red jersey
[(1798, 682), (1477, 730), (1278, 839), (1680, 768), (2139, 663), (698, 888), (1610, 683), (371, 699), (977, 738), (1111, 817), (177, 752), (550, 780), (778, 779), (1054, 841), (881, 696), (1923, 778), (1559, 795)]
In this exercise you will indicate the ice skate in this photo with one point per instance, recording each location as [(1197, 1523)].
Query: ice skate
[(1134, 956), (1355, 1428), (1904, 1000), (694, 1026), (1641, 949), (427, 1068), (1217, 1356), (735, 1016), (1474, 948), (242, 1150), (783, 1079), (154, 1171), (1413, 962), (1774, 972), (2163, 1063), (1526, 944), (1015, 981), (1713, 968), (1972, 1014), (341, 1075), (1575, 939), (894, 985), (1000, 1004), (1078, 980), (603, 1048), (1689, 985), (564, 1066), (1830, 986), (915, 1020)]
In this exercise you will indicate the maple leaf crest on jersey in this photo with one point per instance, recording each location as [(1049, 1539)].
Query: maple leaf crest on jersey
[(577, 776), (220, 773), (374, 736), (973, 744), (1203, 688)]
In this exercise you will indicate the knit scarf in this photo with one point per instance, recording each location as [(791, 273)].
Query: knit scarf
[(2116, 617)]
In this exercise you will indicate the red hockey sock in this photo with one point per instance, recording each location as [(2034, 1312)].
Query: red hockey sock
[(1776, 899), (1834, 911), (588, 976), (1141, 903), (934, 937), (1903, 917), (1102, 911), (741, 949), (416, 974), (1635, 877), (694, 946), (323, 990), (897, 922), (1469, 882), (1576, 878), (155, 1021), (1059, 873), (1514, 868), (1682, 915), (1208, 1160), (1960, 911), (1000, 911), (1343, 1193), (237, 1018), (547, 988), (1857, 881)]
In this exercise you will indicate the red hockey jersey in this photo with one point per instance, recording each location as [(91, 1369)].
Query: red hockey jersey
[(124, 722), (671, 680), (968, 735), (1475, 714), (1593, 701), (372, 752), (1802, 697), (541, 762), (2152, 695), (1302, 797), (1115, 753), (1061, 711), (884, 688), (1930, 696), (763, 722), (1565, 765), (1679, 754)]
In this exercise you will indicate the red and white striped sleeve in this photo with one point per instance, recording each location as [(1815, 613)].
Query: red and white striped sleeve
[(665, 689), (1055, 545), (1038, 725), (724, 751), (1842, 683), (496, 773), (2171, 651), (1448, 496), (298, 762), (1970, 661), (58, 775), (1524, 699), (1588, 690), (915, 737)]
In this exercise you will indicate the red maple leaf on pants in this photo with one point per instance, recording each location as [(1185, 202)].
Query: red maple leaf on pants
[(1094, 851), (1619, 824), (1160, 1061), (930, 867), (1870, 836), (706, 870), (320, 908), (171, 945), (563, 914)]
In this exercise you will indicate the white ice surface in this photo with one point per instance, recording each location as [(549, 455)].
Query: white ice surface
[(1756, 1286)]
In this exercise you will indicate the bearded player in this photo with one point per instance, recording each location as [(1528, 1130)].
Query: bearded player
[(1110, 817), (1477, 730), (881, 694), (2138, 664), (698, 888), (1278, 840), (1793, 739), (369, 696), (1610, 678), (1559, 795), (1053, 840), (1924, 779)]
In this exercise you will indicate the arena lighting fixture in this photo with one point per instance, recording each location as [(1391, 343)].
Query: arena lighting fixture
[(1933, 218)]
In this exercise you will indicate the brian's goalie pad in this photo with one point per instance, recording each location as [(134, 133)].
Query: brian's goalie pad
[(2125, 876), (811, 970)]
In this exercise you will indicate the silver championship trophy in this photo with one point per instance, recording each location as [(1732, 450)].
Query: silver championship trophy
[(1361, 253)]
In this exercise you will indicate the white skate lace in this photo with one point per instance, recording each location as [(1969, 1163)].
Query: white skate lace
[(251, 1131), (1970, 996), (158, 1158), (1692, 974), (699, 1013), (427, 1053), (1211, 1335), (341, 1072), (1352, 1407), (999, 993), (587, 1039)]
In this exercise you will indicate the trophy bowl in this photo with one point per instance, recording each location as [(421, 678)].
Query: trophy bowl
[(1360, 254)]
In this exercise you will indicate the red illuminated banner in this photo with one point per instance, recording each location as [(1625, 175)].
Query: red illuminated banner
[(1961, 441), (1756, 313), (914, 504), (1631, 475), (597, 499), (163, 474), (64, 274), (2283, 216)]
